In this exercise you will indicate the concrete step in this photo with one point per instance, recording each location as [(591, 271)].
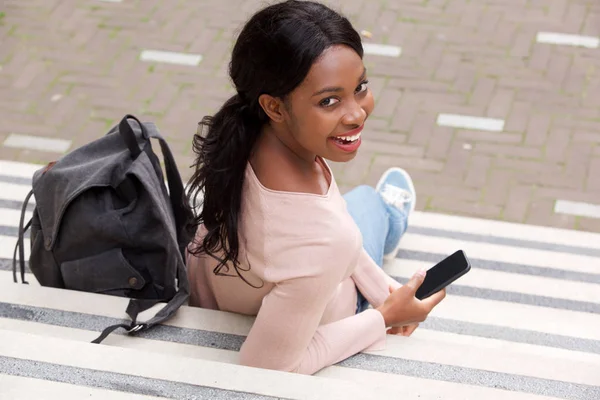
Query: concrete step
[(523, 324), (153, 374), (428, 365)]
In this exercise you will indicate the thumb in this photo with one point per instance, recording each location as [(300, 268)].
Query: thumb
[(417, 279)]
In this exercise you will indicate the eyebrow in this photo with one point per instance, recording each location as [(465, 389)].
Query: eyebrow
[(337, 89)]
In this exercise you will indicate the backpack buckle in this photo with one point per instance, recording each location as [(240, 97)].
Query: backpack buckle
[(136, 328)]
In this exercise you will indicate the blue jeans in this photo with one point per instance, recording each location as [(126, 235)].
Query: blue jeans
[(381, 226)]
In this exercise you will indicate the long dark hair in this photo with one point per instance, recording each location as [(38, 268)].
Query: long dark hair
[(272, 55)]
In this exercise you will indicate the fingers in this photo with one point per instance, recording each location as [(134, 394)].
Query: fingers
[(416, 280), (434, 299), (394, 330), (408, 330)]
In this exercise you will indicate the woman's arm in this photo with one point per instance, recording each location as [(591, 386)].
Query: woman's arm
[(372, 281), (286, 334)]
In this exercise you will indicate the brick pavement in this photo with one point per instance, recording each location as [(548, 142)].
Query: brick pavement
[(70, 69)]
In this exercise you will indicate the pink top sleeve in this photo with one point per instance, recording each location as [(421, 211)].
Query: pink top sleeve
[(306, 249), (286, 334), (372, 281)]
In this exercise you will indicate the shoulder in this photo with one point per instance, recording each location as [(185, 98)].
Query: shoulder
[(278, 174)]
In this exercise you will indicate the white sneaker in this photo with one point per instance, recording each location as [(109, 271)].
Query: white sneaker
[(397, 189)]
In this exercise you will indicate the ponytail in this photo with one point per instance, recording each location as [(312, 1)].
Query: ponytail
[(272, 55), (216, 185)]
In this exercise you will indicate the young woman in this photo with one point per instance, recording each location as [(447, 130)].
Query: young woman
[(276, 239)]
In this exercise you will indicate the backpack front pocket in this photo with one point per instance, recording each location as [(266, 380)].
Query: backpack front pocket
[(107, 272)]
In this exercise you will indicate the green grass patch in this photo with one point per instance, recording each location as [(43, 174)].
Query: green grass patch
[(114, 33)]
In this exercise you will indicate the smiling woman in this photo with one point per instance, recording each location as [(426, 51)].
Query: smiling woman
[(275, 237)]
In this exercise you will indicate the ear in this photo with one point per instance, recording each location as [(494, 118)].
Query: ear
[(273, 107)]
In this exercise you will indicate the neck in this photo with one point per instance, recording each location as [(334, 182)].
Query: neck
[(275, 142)]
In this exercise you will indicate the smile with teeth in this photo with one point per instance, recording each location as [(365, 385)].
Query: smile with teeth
[(347, 139)]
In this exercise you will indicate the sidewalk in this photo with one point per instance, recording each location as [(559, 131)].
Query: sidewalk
[(473, 98)]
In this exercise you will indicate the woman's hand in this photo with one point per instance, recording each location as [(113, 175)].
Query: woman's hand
[(406, 330), (402, 308)]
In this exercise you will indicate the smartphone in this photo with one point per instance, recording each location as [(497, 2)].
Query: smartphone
[(444, 273)]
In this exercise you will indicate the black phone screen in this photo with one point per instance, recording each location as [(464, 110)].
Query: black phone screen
[(443, 273)]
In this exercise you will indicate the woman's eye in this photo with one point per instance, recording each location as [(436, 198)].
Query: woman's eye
[(362, 87), (328, 102)]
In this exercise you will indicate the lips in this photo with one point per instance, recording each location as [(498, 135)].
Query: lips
[(351, 133), (348, 142)]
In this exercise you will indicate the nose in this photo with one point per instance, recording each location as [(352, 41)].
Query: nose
[(355, 114)]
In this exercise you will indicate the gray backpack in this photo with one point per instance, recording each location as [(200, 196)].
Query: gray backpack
[(104, 222)]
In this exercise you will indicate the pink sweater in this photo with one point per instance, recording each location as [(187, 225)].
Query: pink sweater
[(305, 252)]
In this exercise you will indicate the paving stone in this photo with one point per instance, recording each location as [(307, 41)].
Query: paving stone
[(71, 69)]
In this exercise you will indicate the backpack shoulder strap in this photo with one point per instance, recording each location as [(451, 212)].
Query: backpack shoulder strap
[(183, 216), (137, 306), (182, 213)]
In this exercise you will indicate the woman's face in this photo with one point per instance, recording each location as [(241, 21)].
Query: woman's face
[(327, 111)]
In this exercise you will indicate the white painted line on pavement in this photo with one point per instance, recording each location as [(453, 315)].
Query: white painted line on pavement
[(39, 143), (21, 388), (519, 316), (590, 42), (507, 281), (18, 169), (170, 57), (14, 192), (7, 246), (533, 350), (382, 50), (12, 218), (468, 122), (501, 253), (504, 229), (577, 208), (453, 389)]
